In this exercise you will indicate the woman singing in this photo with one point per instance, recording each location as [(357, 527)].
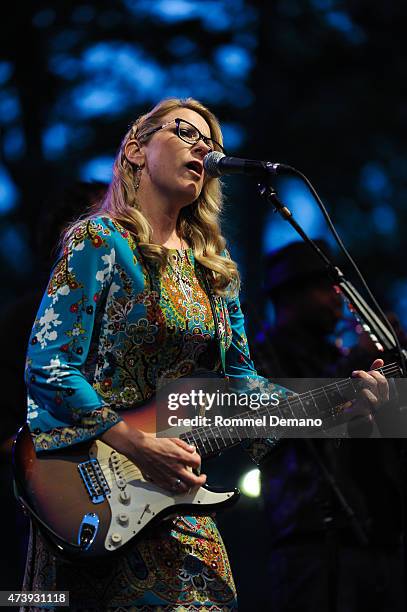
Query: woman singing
[(144, 290)]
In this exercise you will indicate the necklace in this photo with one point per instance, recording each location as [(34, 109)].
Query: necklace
[(178, 264)]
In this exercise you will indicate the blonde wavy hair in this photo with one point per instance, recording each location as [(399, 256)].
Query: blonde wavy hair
[(198, 223)]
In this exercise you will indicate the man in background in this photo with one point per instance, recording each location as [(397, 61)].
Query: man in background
[(334, 507)]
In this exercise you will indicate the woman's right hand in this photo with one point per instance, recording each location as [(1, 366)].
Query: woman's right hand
[(164, 461)]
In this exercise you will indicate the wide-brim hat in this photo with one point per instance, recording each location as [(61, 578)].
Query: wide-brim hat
[(295, 263)]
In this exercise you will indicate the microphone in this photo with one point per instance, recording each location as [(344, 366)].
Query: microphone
[(216, 164)]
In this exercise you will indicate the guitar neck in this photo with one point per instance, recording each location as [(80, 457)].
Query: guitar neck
[(322, 403)]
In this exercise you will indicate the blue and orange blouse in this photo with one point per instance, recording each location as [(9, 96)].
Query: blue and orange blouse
[(111, 326)]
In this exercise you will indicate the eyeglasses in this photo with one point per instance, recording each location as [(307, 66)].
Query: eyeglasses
[(189, 133)]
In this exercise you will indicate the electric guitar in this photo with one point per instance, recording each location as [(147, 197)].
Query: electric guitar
[(90, 501)]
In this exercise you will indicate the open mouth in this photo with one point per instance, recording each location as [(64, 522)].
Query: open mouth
[(195, 166)]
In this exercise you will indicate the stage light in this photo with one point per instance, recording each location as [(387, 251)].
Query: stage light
[(98, 169), (249, 483)]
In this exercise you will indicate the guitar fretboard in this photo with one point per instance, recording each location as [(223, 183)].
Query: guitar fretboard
[(324, 403)]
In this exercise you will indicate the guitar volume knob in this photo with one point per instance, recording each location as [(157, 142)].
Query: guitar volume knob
[(116, 538), (123, 519), (124, 497)]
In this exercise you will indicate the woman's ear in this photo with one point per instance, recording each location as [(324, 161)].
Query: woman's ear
[(134, 153)]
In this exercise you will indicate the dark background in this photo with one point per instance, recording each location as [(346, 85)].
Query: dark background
[(317, 84)]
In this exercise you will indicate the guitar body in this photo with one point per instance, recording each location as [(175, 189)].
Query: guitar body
[(90, 501)]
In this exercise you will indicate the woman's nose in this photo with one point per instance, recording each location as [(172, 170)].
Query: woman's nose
[(201, 147)]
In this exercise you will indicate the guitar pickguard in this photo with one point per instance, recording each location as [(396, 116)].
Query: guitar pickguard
[(134, 501)]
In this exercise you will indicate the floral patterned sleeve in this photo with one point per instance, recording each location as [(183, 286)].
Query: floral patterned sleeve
[(63, 406), (243, 376)]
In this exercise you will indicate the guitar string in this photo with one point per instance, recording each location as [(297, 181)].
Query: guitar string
[(295, 399), (315, 393), (341, 385), (298, 399)]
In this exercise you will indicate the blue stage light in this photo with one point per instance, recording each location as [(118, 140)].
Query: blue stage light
[(234, 60), (98, 169), (8, 192), (9, 106), (14, 143), (6, 70)]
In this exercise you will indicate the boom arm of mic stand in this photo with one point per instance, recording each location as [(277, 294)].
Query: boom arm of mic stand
[(380, 334)]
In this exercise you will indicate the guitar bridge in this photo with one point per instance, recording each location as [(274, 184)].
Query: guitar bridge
[(94, 480)]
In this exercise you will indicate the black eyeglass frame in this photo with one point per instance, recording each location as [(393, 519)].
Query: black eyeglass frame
[(208, 141)]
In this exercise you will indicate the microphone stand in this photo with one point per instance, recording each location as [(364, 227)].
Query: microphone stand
[(383, 339), (380, 335)]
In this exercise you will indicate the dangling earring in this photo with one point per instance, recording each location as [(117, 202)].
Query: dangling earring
[(137, 176)]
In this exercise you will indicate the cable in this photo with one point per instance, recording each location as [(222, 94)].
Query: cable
[(352, 262)]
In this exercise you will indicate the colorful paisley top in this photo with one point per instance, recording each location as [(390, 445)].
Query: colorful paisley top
[(109, 327)]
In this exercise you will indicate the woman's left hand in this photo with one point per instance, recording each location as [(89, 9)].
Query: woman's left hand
[(375, 386)]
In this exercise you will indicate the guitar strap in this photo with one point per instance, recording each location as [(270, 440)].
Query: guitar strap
[(219, 301), (216, 302)]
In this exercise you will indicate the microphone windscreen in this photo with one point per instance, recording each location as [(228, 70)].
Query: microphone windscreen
[(211, 163)]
